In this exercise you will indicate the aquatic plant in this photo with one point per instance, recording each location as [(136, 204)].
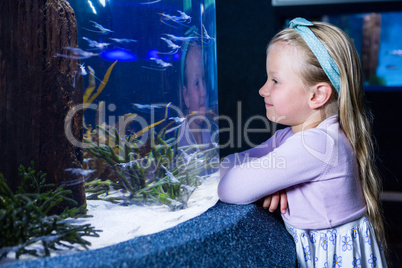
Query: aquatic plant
[(88, 98), (27, 225), (155, 171)]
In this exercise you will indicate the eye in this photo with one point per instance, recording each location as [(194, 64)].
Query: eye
[(274, 81)]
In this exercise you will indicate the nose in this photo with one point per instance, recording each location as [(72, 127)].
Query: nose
[(264, 90), (203, 88), (202, 91)]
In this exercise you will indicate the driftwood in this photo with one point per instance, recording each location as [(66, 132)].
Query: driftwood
[(371, 44), (36, 91)]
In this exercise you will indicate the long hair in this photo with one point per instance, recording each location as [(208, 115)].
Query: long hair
[(354, 118)]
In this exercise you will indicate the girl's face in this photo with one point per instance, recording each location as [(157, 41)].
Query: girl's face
[(194, 92), (285, 95)]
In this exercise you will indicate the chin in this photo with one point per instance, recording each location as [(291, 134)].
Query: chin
[(276, 119), (271, 117)]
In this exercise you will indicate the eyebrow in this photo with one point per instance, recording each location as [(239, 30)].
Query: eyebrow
[(273, 73)]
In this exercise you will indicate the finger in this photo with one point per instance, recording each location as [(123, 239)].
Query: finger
[(274, 202), (267, 202), (284, 202)]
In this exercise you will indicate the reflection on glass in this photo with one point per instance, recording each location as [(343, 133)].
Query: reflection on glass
[(199, 127)]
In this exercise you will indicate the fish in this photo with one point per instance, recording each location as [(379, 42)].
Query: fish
[(80, 171), (191, 34), (172, 178), (80, 71), (83, 72), (178, 119), (160, 65), (93, 43), (175, 48), (145, 129), (85, 173), (173, 128), (123, 40), (397, 52), (183, 18), (79, 54), (102, 30), (145, 106), (180, 38), (188, 157), (206, 35)]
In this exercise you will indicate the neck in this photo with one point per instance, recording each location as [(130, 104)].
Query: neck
[(316, 117)]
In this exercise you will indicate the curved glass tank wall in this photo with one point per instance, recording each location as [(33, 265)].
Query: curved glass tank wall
[(147, 132), (154, 64)]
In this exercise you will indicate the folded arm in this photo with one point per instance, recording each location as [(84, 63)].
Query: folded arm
[(302, 158)]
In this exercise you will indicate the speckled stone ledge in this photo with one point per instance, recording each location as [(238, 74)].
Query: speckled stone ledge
[(224, 236)]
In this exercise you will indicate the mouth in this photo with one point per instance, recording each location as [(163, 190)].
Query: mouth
[(268, 105)]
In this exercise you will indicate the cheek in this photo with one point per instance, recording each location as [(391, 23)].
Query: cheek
[(193, 99), (279, 101), (286, 107)]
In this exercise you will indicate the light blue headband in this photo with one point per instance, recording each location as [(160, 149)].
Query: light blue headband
[(327, 63)]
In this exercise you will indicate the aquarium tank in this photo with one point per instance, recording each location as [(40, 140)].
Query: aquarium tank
[(376, 38), (139, 79), (149, 81)]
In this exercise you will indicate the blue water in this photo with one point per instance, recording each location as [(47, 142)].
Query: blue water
[(390, 65), (146, 37)]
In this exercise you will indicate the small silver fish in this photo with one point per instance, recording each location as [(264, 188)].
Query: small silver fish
[(79, 54), (170, 175), (397, 52), (80, 171), (123, 40), (178, 119), (93, 43), (102, 30), (146, 106), (183, 18), (161, 63), (175, 48)]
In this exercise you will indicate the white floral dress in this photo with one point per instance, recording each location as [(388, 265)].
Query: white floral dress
[(350, 245)]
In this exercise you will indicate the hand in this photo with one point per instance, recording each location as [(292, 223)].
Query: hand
[(271, 202)]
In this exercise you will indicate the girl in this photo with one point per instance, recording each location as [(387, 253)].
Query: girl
[(324, 159)]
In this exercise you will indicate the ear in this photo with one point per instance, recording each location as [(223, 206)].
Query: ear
[(319, 95), (185, 96)]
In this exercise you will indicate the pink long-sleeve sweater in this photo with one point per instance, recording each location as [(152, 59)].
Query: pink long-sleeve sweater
[(317, 167)]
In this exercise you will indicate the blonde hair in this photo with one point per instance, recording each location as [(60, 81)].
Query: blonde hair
[(353, 117)]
